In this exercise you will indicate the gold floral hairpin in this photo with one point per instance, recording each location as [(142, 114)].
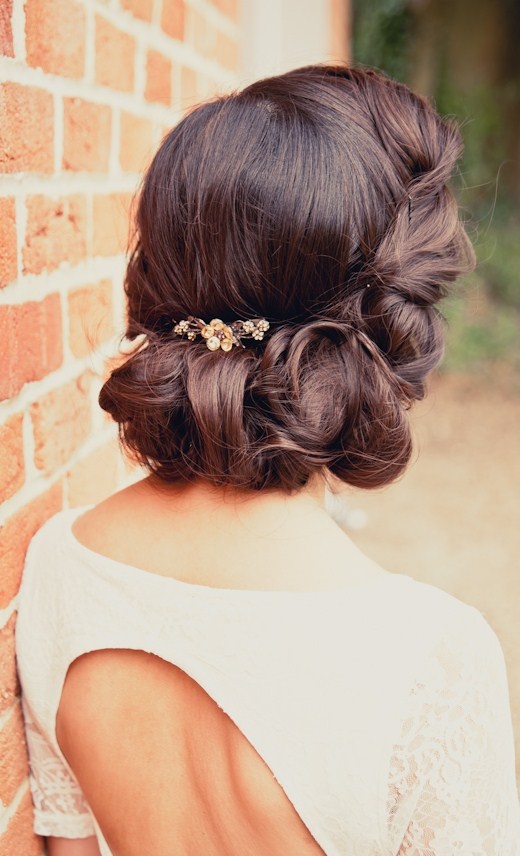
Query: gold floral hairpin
[(220, 335)]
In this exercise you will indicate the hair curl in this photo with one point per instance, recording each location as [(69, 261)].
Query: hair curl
[(319, 200)]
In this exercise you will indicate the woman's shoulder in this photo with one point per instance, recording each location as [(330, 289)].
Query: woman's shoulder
[(404, 607), (457, 640), (50, 536), (48, 557), (451, 616), (422, 623)]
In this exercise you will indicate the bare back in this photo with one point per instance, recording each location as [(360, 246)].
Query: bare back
[(163, 767)]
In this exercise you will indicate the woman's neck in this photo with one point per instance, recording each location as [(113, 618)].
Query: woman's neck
[(225, 538), (262, 512)]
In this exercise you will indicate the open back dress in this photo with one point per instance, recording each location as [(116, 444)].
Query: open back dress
[(381, 709)]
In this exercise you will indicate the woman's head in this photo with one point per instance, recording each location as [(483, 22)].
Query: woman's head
[(318, 200)]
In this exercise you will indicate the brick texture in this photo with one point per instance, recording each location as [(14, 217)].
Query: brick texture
[(115, 56), (136, 142), (8, 264), (19, 839), (13, 761), (158, 78), (12, 468), (6, 32), (55, 36), (61, 423), (9, 684), (226, 51), (202, 33), (140, 8), (90, 311), (86, 135), (173, 17), (189, 86), (227, 7), (56, 232), (111, 223), (15, 534), (26, 129), (30, 343)]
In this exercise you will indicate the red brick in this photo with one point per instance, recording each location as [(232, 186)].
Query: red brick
[(189, 87), (30, 343), (111, 223), (136, 142), (173, 18), (9, 684), (227, 7), (8, 265), (158, 78), (95, 477), (12, 471), (139, 8), (14, 767), (226, 51), (55, 233), (61, 423), (91, 317), (55, 36), (6, 32), (26, 129), (15, 534), (86, 135), (203, 35), (19, 837), (115, 56)]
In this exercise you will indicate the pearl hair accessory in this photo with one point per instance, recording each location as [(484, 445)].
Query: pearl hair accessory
[(219, 335)]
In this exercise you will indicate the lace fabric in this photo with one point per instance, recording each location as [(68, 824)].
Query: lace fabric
[(451, 780), (60, 808)]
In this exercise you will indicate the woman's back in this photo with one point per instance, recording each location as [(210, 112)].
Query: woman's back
[(191, 768), (191, 782), (377, 709)]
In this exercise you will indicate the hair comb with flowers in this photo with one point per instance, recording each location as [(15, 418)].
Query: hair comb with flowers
[(219, 335)]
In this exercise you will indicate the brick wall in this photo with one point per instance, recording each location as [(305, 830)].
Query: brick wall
[(87, 89)]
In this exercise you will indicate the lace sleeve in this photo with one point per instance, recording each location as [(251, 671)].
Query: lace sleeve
[(60, 808), (452, 783)]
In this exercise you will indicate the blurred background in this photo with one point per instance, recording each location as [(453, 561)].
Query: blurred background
[(453, 519), (87, 90), (464, 54)]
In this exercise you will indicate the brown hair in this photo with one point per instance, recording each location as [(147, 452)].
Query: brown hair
[(318, 200)]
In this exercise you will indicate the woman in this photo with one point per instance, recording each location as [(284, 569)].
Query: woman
[(209, 665)]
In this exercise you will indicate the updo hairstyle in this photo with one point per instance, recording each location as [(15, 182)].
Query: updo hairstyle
[(318, 200)]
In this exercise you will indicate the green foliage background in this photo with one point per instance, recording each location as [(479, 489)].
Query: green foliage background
[(484, 312)]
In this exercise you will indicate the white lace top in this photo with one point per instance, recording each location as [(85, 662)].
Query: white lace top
[(382, 710)]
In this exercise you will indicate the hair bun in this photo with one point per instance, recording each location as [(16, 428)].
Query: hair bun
[(318, 200)]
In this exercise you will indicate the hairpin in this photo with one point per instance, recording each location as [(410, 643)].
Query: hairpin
[(220, 335)]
